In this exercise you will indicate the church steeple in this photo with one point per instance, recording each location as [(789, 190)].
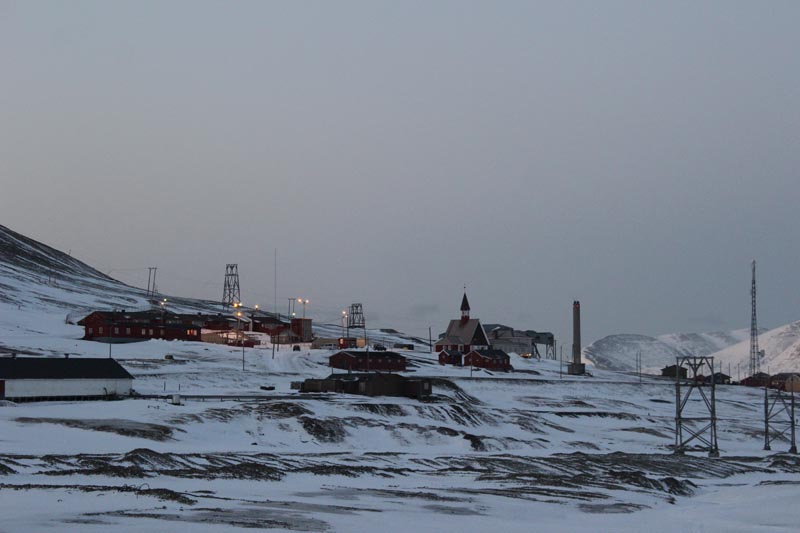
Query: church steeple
[(464, 307)]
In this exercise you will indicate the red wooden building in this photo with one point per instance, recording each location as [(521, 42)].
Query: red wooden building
[(451, 357), (367, 361), (295, 330), (489, 359), (760, 379), (121, 326)]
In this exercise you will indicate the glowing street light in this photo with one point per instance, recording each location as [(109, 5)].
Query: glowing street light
[(240, 334)]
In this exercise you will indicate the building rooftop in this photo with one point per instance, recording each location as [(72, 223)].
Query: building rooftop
[(364, 354), (61, 368), (492, 354)]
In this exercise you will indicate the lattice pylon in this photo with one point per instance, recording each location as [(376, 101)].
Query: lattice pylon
[(231, 293), (686, 429)]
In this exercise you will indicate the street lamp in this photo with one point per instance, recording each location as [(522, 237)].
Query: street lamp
[(241, 335), (252, 317), (163, 314), (344, 317), (304, 302)]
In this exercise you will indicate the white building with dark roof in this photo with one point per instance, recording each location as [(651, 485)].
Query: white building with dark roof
[(48, 378)]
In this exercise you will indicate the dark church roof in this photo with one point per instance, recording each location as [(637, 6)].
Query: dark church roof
[(492, 354), (61, 368), (466, 332)]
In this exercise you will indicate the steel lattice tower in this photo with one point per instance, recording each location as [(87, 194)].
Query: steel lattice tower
[(231, 294), (356, 317), (755, 356)]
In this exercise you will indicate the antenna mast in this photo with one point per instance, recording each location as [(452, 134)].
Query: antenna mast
[(755, 356)]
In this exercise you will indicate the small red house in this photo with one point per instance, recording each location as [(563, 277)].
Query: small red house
[(268, 323), (367, 361), (451, 357), (759, 379), (488, 359)]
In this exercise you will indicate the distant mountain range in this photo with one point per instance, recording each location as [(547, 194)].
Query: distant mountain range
[(731, 348)]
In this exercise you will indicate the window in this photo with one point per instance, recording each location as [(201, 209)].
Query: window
[(151, 332), (116, 331), (127, 331), (91, 331), (100, 330), (144, 331)]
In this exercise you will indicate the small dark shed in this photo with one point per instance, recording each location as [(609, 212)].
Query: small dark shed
[(719, 379), (669, 371)]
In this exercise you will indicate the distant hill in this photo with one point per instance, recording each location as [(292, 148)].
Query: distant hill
[(618, 352)]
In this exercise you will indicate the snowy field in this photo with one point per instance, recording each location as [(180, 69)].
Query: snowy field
[(529, 450)]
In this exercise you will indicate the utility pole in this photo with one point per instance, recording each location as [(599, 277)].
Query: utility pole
[(639, 364), (151, 281), (430, 338)]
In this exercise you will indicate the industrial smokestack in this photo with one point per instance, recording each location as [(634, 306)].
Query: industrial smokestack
[(576, 332), (576, 368)]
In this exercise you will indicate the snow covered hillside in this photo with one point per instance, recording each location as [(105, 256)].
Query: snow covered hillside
[(34, 276), (487, 451), (618, 352), (781, 351)]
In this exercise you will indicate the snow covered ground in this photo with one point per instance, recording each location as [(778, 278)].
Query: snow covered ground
[(528, 450)]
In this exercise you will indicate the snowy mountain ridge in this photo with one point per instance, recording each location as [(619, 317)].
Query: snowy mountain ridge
[(732, 348)]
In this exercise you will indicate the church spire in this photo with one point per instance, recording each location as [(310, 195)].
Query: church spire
[(464, 307)]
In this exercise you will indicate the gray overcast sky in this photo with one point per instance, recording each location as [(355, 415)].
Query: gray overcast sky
[(633, 155)]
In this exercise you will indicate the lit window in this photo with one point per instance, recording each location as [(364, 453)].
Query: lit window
[(144, 331)]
